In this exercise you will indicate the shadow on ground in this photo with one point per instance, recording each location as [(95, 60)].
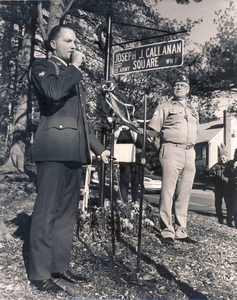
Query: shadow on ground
[(23, 222)]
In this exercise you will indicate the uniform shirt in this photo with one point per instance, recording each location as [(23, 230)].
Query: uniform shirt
[(175, 122)]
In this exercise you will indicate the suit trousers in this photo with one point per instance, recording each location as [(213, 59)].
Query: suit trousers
[(220, 193), (53, 219), (178, 171), (129, 172)]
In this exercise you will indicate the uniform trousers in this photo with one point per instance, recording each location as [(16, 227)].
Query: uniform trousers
[(54, 217), (178, 171)]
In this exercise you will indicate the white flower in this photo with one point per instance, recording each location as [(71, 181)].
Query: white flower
[(148, 222)]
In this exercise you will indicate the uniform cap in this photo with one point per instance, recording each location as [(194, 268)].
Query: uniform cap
[(181, 78)]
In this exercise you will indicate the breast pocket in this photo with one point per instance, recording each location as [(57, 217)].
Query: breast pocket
[(60, 123), (175, 111)]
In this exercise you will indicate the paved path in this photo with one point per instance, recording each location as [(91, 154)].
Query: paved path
[(201, 200)]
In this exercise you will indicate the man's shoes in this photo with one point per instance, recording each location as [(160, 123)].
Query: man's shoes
[(48, 286), (230, 225), (167, 241), (188, 240), (69, 276), (220, 220)]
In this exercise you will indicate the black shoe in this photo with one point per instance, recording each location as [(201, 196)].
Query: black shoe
[(48, 286), (220, 220), (230, 225), (70, 277), (167, 241), (188, 240)]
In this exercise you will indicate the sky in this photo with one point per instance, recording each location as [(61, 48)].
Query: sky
[(205, 9)]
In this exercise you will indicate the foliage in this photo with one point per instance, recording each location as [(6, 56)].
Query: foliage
[(15, 71), (220, 52), (93, 224), (9, 50)]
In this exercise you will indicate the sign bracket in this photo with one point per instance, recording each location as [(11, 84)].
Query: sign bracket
[(147, 38), (166, 33), (142, 27)]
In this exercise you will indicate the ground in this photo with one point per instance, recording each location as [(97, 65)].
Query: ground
[(206, 270)]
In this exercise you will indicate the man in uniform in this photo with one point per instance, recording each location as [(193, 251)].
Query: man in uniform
[(62, 146), (231, 173), (176, 123)]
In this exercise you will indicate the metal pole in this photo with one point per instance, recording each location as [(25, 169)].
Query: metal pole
[(143, 161), (112, 188), (108, 46), (102, 172), (107, 78)]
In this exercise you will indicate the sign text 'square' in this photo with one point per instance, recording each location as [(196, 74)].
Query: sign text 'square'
[(149, 57)]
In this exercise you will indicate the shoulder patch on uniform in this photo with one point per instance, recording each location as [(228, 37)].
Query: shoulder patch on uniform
[(41, 74)]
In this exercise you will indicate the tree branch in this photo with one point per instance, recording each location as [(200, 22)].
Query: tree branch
[(41, 21), (66, 9)]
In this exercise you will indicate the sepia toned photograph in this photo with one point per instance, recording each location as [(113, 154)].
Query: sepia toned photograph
[(118, 149)]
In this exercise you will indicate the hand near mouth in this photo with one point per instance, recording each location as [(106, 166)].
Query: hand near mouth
[(77, 58)]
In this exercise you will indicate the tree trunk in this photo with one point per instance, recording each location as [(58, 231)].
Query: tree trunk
[(55, 13), (15, 162)]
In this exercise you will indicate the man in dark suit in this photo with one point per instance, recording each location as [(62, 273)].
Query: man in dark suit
[(130, 171), (231, 173), (62, 146), (216, 173)]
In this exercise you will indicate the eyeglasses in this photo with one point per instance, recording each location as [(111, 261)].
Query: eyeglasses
[(180, 85)]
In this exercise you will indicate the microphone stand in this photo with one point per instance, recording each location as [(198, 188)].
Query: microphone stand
[(112, 200), (143, 162)]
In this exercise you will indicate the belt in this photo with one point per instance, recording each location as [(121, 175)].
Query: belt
[(183, 146)]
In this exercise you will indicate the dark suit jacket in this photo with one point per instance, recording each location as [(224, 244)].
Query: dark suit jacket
[(125, 137), (63, 133)]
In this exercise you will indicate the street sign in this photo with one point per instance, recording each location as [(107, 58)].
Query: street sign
[(149, 57)]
